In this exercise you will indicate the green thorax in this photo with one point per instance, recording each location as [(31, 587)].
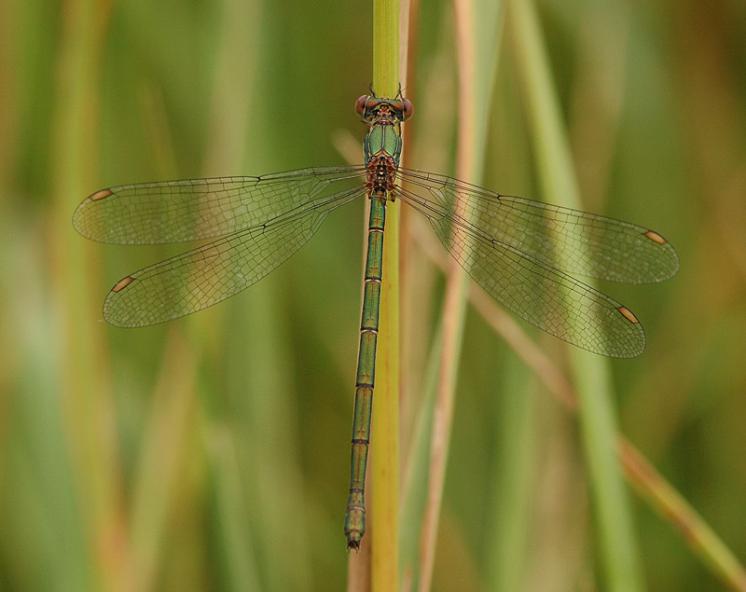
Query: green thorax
[(383, 138)]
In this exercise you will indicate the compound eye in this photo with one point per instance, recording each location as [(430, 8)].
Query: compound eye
[(407, 109), (360, 105)]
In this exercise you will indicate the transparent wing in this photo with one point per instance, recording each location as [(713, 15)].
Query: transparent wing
[(576, 242), (206, 275), (196, 209), (545, 297)]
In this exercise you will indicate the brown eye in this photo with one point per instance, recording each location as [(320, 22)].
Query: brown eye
[(360, 105), (408, 109)]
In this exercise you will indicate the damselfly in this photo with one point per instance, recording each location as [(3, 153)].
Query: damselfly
[(522, 252)]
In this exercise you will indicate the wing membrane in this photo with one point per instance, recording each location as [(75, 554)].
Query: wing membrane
[(196, 209), (545, 297), (576, 242), (206, 275)]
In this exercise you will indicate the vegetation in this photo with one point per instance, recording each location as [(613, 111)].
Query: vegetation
[(212, 453)]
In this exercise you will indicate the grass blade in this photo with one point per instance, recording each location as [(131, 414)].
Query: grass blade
[(617, 543)]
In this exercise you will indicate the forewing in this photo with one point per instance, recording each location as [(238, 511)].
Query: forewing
[(195, 209), (547, 298), (206, 275), (576, 242)]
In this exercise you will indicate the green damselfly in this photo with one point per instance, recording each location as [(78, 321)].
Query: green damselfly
[(522, 252)]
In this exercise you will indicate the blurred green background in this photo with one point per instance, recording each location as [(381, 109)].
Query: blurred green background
[(212, 452)]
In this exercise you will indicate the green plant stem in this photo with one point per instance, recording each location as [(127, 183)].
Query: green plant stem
[(617, 542), (384, 500), (83, 385)]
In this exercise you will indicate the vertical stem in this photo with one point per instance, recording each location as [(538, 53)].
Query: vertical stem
[(617, 542), (454, 312), (477, 33), (83, 388), (385, 445), (384, 496), (386, 47)]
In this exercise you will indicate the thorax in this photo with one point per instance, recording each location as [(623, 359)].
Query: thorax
[(382, 146)]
